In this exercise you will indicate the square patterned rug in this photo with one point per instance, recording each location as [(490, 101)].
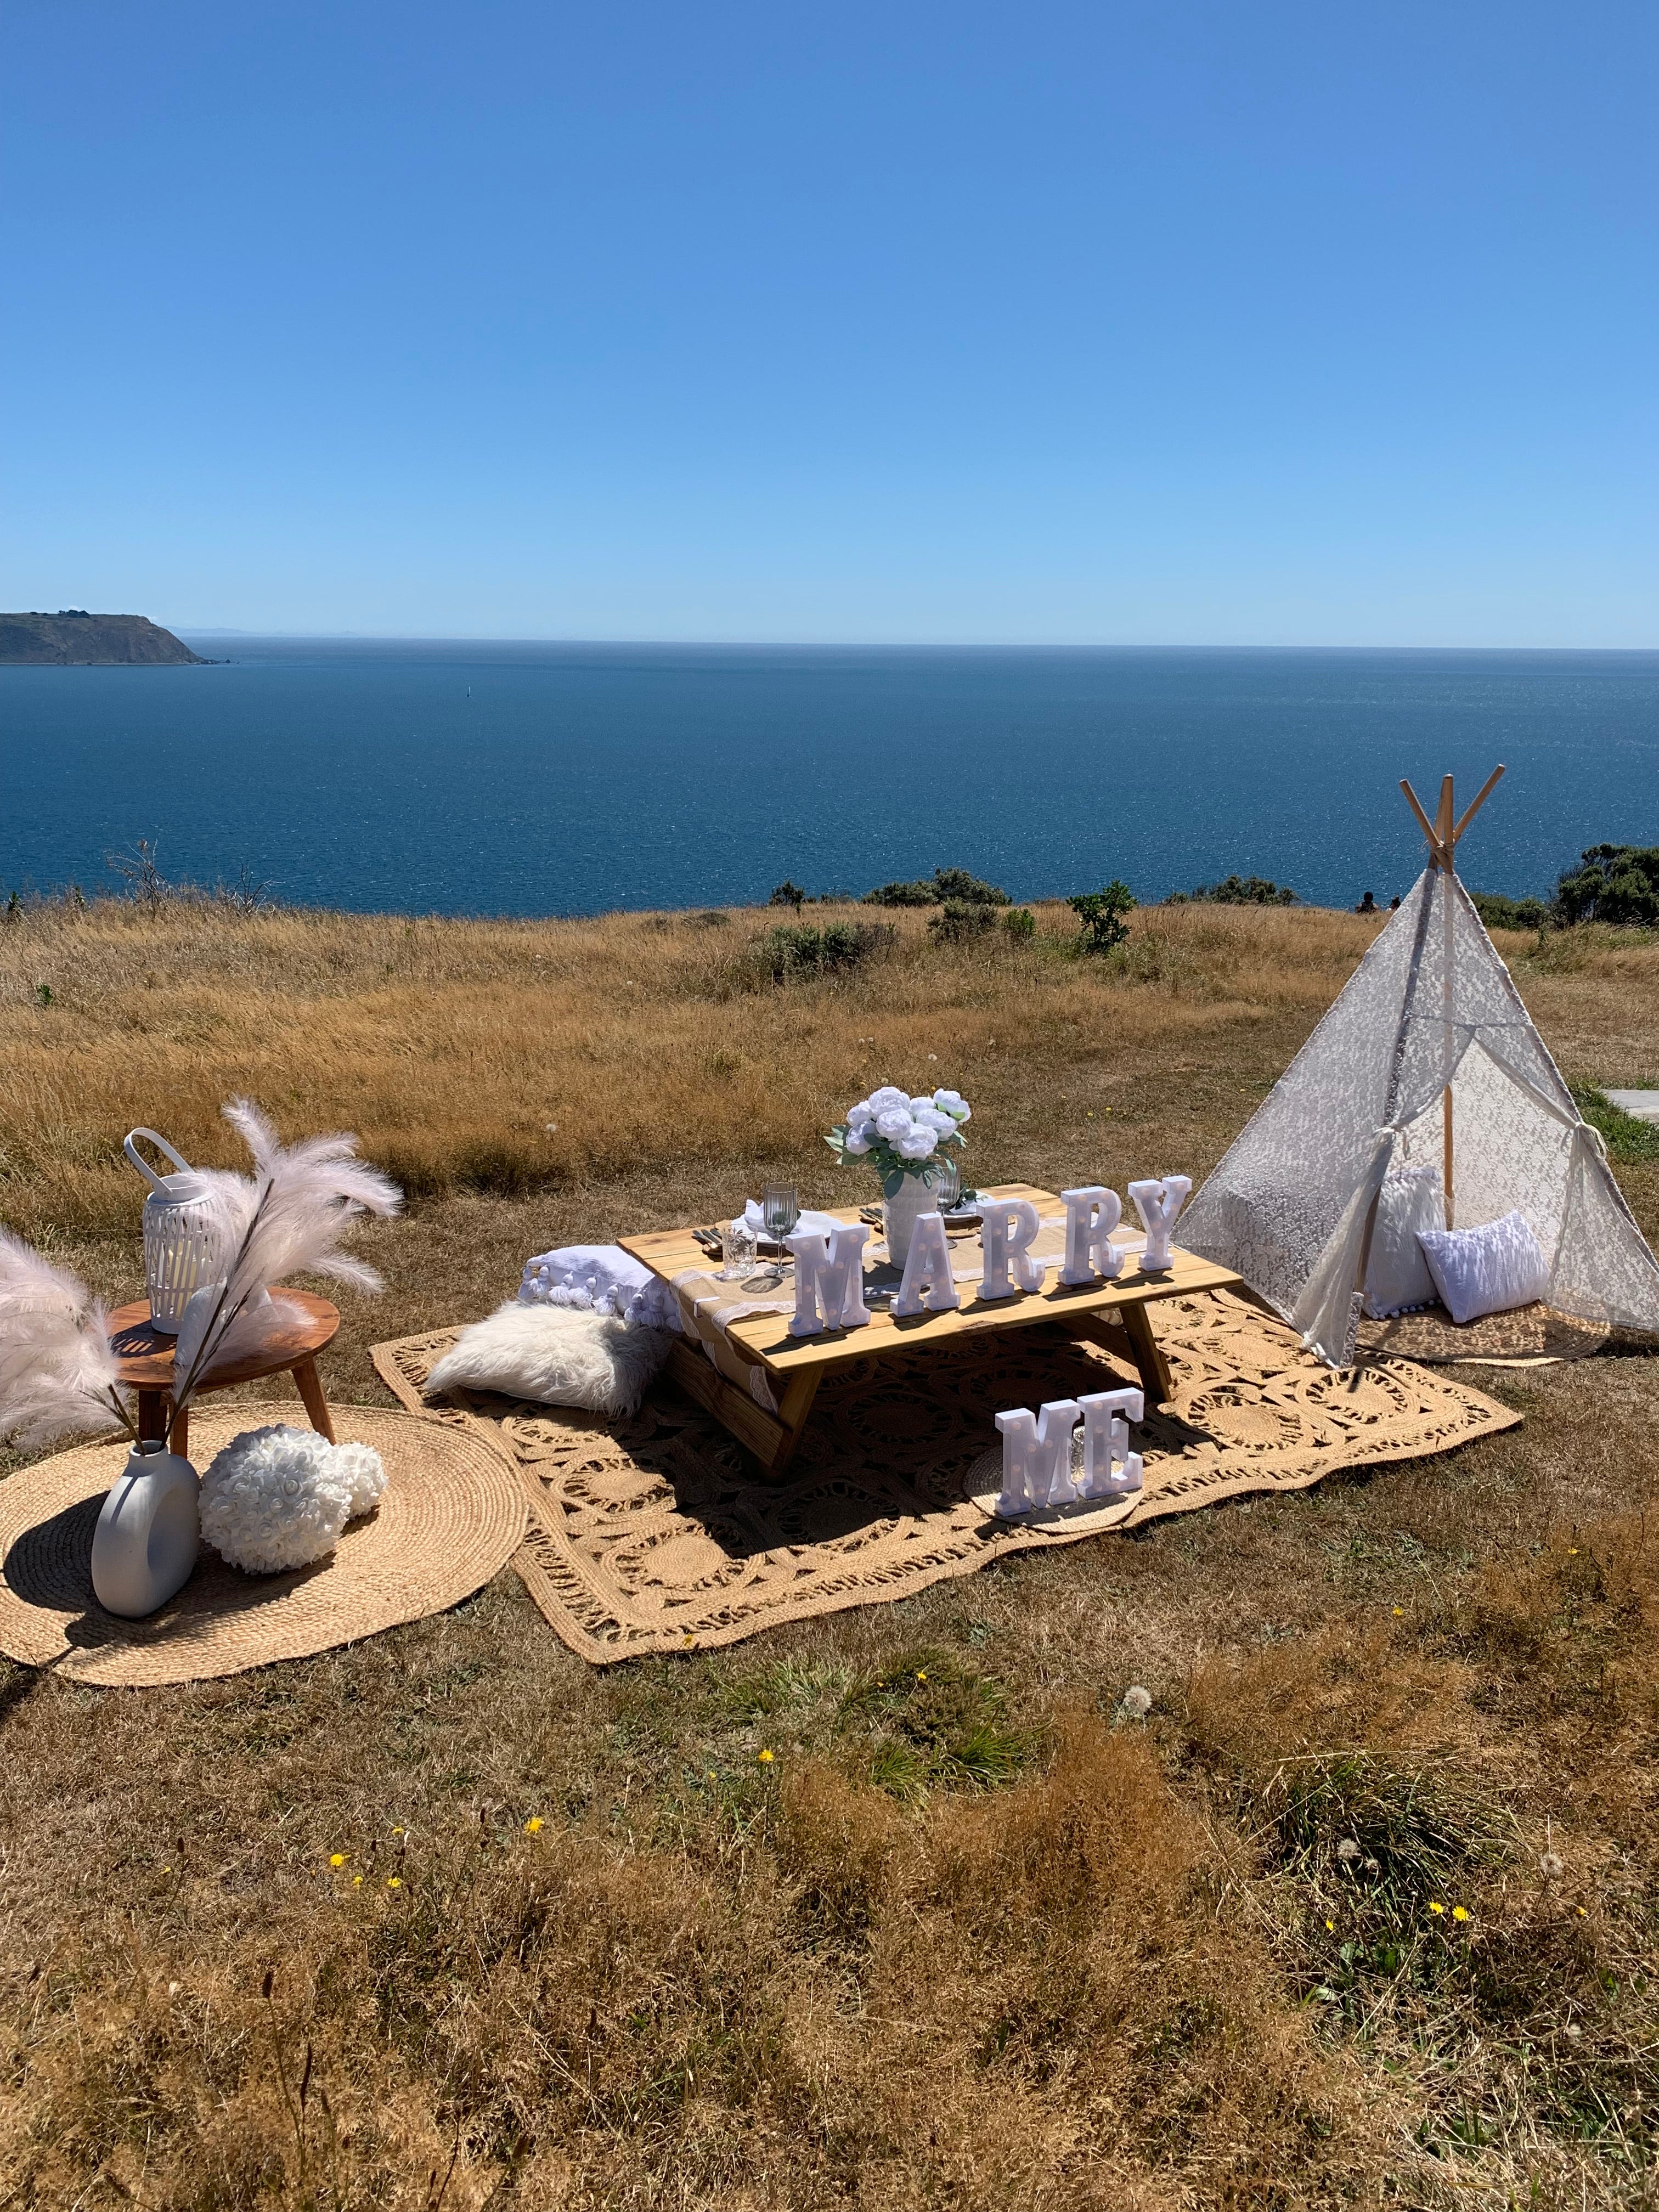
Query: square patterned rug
[(659, 1535)]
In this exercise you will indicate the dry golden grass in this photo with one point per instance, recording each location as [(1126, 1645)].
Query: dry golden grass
[(1136, 1972)]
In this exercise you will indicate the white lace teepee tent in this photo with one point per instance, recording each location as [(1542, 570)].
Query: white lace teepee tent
[(1428, 1058)]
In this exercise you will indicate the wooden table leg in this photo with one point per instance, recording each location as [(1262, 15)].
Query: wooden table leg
[(304, 1372), (1150, 1364), (179, 1434), (793, 1409)]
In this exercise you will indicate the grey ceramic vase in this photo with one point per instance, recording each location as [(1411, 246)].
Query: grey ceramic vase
[(144, 1544)]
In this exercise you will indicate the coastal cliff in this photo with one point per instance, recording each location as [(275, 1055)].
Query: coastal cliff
[(74, 639)]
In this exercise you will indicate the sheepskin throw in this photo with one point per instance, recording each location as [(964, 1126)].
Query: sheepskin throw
[(557, 1355), (278, 1498)]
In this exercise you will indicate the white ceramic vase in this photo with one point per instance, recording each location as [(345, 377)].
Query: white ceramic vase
[(915, 1196), (144, 1544)]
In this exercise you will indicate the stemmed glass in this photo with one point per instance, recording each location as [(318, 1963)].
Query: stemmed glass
[(947, 1183), (780, 1211)]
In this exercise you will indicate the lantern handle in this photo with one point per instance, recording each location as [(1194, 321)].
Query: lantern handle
[(157, 1184)]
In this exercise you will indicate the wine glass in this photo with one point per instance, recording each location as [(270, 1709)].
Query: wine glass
[(779, 1210), (947, 1183)]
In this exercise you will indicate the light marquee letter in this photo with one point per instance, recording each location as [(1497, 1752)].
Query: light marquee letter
[(1007, 1229), (1091, 1217), (1037, 1457), (1158, 1203), (829, 1280), (1111, 1469), (928, 1264)]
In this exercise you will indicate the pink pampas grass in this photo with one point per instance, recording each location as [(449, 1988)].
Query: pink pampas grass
[(58, 1373)]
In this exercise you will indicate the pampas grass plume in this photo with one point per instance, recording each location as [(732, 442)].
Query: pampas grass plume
[(58, 1374)]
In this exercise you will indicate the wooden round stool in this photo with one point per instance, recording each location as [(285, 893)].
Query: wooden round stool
[(309, 1326)]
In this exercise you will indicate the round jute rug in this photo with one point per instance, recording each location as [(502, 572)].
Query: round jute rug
[(451, 1514)]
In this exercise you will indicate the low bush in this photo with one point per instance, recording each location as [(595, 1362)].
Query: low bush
[(941, 889), (1020, 923), (957, 919), (1100, 915), (1500, 913), (798, 950), (1236, 890)]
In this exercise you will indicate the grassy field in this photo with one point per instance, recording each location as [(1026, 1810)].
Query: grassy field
[(534, 1935)]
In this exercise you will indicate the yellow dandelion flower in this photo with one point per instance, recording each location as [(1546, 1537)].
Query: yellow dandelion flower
[(1331, 1926), (713, 1777), (356, 1881), (764, 1757), (1460, 1912), (533, 1827), (1435, 1905), (337, 1858), (1399, 1612), (1572, 1551), (921, 1674), (397, 1832), (1580, 1910), (394, 1881)]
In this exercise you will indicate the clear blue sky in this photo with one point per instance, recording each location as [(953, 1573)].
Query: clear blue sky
[(1172, 323)]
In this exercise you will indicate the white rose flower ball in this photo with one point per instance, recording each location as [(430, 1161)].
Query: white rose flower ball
[(893, 1122), (917, 1145), (857, 1140), (858, 1115), (278, 1498), (889, 1094), (953, 1103), (362, 1470)]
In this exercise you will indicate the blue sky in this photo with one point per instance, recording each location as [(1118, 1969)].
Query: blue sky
[(1164, 324)]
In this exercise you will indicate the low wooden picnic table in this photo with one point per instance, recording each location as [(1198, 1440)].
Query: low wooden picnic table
[(1112, 1315)]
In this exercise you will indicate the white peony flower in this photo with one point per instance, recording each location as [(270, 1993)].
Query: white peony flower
[(857, 1140), (893, 1122), (858, 1115), (953, 1103), (931, 1118), (922, 1105), (889, 1094), (917, 1145)]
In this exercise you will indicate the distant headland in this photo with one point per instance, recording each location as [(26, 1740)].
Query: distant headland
[(74, 639)]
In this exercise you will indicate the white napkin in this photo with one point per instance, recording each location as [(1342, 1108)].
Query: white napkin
[(818, 1225)]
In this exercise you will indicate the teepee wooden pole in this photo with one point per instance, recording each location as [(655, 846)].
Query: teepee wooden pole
[(1444, 822)]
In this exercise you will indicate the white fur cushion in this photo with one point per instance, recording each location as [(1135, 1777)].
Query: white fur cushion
[(1486, 1270), (1397, 1275), (558, 1355)]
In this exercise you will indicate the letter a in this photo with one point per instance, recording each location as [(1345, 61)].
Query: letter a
[(928, 1264)]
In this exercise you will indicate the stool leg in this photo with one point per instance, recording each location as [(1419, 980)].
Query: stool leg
[(178, 1434), (304, 1372)]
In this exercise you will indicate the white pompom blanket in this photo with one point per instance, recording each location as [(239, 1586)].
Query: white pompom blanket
[(557, 1355)]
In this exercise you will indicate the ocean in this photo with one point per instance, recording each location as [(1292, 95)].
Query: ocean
[(539, 778)]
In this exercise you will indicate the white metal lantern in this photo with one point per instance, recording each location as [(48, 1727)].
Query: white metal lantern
[(179, 1243)]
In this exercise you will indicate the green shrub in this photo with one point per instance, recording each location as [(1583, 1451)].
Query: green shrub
[(943, 886), (802, 951), (956, 920), (1020, 923), (1500, 913), (1100, 915), (1243, 890), (788, 894), (1617, 884)]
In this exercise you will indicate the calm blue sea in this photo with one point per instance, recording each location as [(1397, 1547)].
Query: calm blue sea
[(567, 779)]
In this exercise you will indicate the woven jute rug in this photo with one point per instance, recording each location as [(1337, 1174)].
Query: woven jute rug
[(1527, 1336), (658, 1534), (452, 1513)]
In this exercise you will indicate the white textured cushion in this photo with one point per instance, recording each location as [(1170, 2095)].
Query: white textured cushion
[(558, 1355), (1397, 1275), (1486, 1270)]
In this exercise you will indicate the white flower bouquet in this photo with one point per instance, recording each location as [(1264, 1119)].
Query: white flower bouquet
[(899, 1135)]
